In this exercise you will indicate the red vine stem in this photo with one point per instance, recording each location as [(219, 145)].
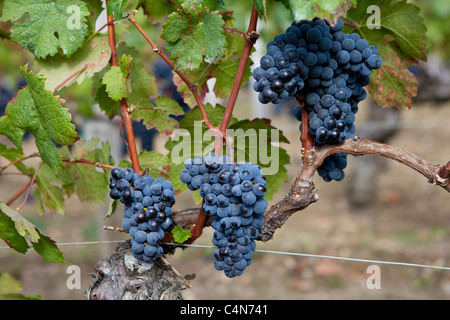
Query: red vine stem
[(306, 136), (126, 117), (349, 24), (29, 186), (18, 193), (76, 73), (97, 164), (2, 168), (250, 39)]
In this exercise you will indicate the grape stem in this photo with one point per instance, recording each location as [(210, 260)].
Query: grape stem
[(76, 73), (306, 137), (126, 116), (250, 40), (33, 155), (29, 186)]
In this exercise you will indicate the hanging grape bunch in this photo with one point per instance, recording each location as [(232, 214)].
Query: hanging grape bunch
[(233, 194), (327, 67), (148, 210)]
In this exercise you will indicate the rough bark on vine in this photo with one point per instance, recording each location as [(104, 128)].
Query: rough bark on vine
[(123, 277)]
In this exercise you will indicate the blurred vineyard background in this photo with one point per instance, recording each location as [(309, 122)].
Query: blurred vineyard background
[(381, 211)]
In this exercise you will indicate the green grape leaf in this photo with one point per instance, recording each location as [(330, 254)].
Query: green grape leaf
[(116, 79), (157, 115), (192, 33), (13, 154), (154, 161), (46, 26), (17, 231), (399, 19), (9, 233), (115, 7), (8, 284), (37, 111), (159, 10), (10, 289), (113, 204), (173, 28), (110, 107), (330, 10), (180, 235), (47, 248), (90, 184), (23, 227), (224, 72), (261, 7), (400, 39), (142, 87), (49, 195), (93, 57), (173, 173), (95, 8), (116, 83)]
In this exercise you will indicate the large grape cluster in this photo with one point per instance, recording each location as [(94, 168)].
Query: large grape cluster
[(233, 194), (329, 69), (148, 210)]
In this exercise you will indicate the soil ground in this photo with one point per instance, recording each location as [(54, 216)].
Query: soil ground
[(406, 220)]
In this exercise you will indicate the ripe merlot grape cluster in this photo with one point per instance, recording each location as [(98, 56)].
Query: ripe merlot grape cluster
[(148, 210), (329, 69), (233, 194)]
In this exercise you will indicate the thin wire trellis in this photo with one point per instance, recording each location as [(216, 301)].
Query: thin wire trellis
[(273, 252)]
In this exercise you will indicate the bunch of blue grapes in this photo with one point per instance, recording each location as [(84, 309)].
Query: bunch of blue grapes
[(329, 69), (148, 210), (233, 194)]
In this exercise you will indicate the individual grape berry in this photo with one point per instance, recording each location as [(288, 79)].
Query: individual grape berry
[(277, 85), (343, 57), (258, 73), (267, 62), (321, 134), (115, 194), (348, 44), (374, 62)]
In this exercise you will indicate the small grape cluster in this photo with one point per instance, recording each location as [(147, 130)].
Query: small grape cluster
[(329, 69), (233, 194), (148, 210)]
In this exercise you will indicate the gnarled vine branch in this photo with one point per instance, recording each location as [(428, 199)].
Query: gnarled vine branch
[(303, 191)]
